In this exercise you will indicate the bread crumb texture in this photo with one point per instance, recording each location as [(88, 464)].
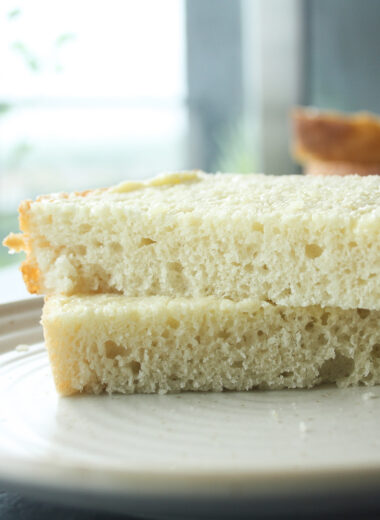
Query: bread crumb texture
[(120, 344), (294, 240)]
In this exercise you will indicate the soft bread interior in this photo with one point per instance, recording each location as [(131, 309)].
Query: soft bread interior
[(127, 345), (295, 240)]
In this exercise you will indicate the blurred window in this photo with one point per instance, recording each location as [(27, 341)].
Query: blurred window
[(90, 93)]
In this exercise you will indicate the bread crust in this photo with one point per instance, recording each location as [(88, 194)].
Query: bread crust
[(62, 377), (333, 136), (21, 242)]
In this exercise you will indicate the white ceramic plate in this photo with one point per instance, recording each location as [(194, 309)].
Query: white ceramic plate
[(152, 454)]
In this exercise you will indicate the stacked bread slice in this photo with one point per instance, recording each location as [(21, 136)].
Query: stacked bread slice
[(208, 282)]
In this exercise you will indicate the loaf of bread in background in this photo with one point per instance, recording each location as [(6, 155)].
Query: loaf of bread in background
[(332, 143), (340, 168), (118, 344), (293, 240)]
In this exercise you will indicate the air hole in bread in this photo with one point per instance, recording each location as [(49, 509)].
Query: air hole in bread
[(286, 292), (84, 228), (335, 368), (146, 241), (368, 379), (325, 318), (313, 251), (223, 335), (256, 226), (135, 366), (248, 268), (172, 322), (287, 373), (116, 247), (363, 313), (309, 326), (175, 277), (112, 349), (344, 339), (175, 266), (375, 353)]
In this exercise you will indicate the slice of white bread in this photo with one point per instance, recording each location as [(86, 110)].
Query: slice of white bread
[(118, 344), (291, 239)]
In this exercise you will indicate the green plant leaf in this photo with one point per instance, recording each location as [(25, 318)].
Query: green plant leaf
[(28, 57), (14, 13), (64, 38), (4, 108)]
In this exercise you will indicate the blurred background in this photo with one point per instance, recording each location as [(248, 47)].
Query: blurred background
[(92, 93)]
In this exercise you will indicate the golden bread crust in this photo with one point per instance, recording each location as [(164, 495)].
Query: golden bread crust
[(62, 376), (29, 267), (332, 136), (15, 242), (20, 242), (31, 275)]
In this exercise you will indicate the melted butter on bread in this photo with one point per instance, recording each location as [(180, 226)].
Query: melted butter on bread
[(166, 179)]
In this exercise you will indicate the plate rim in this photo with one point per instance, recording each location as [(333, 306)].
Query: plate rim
[(116, 481), (113, 480)]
